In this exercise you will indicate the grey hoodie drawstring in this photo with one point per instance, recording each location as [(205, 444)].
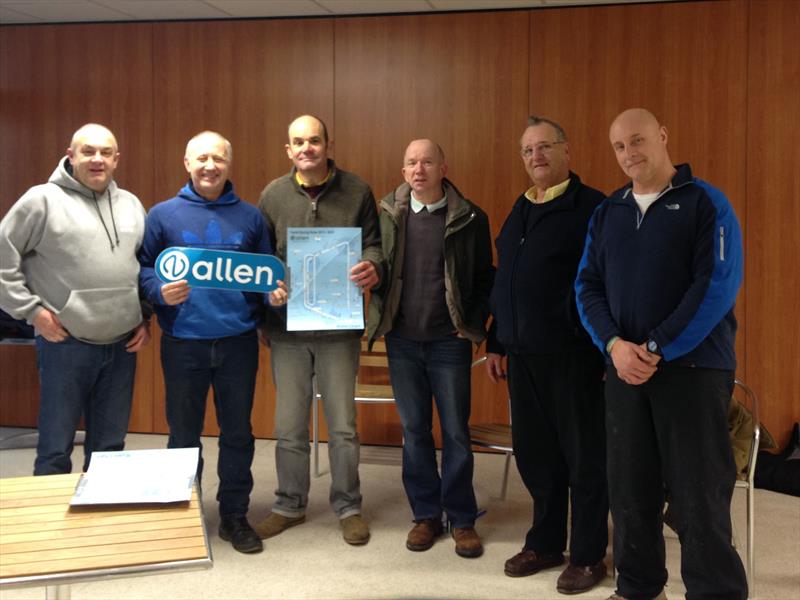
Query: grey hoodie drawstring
[(113, 222)]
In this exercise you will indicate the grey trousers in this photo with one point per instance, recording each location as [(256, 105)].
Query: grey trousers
[(334, 362)]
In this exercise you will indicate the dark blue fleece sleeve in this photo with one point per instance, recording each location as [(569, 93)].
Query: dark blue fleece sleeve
[(717, 272), (590, 289)]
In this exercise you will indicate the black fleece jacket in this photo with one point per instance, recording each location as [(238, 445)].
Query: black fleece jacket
[(538, 251)]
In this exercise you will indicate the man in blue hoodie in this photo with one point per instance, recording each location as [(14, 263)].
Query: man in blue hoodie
[(656, 289), (209, 336)]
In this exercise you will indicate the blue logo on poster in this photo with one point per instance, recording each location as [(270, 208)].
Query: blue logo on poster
[(221, 269)]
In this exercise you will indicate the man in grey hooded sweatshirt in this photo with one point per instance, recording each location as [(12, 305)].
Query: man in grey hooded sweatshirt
[(68, 267)]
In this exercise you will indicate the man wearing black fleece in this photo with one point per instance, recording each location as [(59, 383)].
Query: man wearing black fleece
[(554, 373)]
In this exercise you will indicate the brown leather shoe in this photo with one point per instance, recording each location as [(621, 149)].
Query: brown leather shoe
[(275, 524), (355, 530), (575, 579), (468, 544), (423, 534), (528, 562)]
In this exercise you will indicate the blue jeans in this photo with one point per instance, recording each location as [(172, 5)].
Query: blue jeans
[(229, 365), (76, 378), (334, 363), (441, 369)]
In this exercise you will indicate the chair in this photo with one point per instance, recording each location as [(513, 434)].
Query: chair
[(747, 481), (372, 393), (495, 436)]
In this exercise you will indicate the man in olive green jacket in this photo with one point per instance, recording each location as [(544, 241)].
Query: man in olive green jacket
[(431, 306)]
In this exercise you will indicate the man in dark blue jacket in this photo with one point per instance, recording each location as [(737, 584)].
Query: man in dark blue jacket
[(209, 335), (554, 373), (656, 289)]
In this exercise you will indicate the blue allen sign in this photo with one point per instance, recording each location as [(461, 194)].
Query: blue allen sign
[(220, 269)]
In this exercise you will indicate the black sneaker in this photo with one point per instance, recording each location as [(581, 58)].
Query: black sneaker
[(236, 530)]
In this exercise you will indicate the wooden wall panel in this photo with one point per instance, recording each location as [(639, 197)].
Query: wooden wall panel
[(53, 79), (722, 76), (773, 215), (246, 80), (668, 58), (458, 79)]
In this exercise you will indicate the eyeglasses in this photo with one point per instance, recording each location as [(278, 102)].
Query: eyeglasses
[(542, 147)]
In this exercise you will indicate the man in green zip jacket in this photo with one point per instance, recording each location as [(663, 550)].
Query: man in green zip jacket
[(431, 307)]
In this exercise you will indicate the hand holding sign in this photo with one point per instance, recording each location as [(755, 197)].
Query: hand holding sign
[(279, 296), (175, 293), (220, 269)]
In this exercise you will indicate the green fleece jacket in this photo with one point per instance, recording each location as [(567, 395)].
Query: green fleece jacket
[(345, 201), (469, 273)]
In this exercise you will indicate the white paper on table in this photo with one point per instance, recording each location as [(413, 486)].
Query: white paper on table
[(138, 476)]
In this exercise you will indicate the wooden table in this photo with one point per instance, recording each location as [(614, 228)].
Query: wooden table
[(43, 542)]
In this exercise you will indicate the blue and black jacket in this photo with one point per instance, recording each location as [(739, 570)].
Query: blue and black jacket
[(670, 275), (227, 223)]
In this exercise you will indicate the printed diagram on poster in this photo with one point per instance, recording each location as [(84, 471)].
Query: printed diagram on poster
[(321, 295)]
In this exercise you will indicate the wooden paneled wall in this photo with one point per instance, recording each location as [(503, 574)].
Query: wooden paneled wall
[(722, 76)]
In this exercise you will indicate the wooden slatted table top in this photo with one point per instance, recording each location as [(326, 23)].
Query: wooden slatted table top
[(43, 542)]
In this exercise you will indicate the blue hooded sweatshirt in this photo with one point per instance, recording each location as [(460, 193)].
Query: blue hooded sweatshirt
[(189, 220)]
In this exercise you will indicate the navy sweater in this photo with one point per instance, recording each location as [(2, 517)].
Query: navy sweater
[(671, 276), (538, 250)]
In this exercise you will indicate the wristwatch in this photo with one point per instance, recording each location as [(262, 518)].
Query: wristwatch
[(652, 346)]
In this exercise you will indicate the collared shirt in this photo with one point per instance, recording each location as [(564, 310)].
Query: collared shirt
[(302, 183), (549, 194), (417, 206)]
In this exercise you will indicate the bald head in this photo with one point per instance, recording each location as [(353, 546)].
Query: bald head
[(93, 131), (209, 138), (308, 148), (309, 122), (640, 145), (93, 155), (423, 169), (208, 161)]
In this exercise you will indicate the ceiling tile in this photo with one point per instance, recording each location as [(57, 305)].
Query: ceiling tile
[(64, 11), (366, 7), (272, 8), (9, 15), (164, 9), (483, 4)]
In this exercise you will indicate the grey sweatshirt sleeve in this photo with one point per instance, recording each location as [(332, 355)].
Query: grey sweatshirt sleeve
[(21, 230)]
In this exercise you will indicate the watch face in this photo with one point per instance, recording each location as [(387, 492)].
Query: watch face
[(652, 346)]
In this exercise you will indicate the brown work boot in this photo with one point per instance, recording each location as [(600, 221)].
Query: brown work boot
[(575, 579), (275, 524), (422, 535), (354, 530), (468, 544), (529, 562)]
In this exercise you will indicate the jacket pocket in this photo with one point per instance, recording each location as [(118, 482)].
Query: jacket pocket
[(101, 315)]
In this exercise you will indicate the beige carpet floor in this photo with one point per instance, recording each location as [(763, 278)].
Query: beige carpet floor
[(312, 560)]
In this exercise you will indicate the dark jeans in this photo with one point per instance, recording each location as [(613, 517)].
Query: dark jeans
[(557, 413), (76, 378), (672, 432), (229, 365), (438, 369)]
